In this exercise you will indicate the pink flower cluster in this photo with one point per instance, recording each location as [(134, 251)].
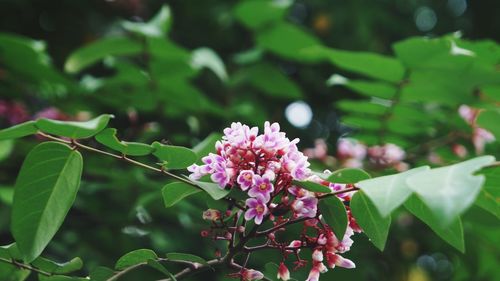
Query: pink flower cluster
[(262, 165), (265, 166), (352, 153), (480, 136)]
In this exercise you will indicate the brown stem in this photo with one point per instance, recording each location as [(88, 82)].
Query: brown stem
[(25, 266), (276, 227)]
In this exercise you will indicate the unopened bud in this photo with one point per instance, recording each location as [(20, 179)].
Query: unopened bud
[(211, 215), (204, 233), (228, 236)]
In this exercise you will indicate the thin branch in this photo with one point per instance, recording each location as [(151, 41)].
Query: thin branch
[(276, 227), (338, 192), (25, 266)]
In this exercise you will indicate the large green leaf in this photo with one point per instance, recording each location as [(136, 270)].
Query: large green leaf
[(377, 89), (174, 157), (489, 197), (213, 189), (312, 186), (98, 50), (449, 191), (176, 191), (369, 64), (185, 258), (389, 192), (73, 129), (108, 138), (291, 42), (271, 81), (135, 257), (453, 233), (18, 131), (44, 192), (157, 26), (257, 14), (335, 215), (369, 219), (348, 175)]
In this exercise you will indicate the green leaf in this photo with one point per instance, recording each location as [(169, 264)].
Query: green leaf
[(185, 258), (369, 64), (206, 146), (489, 120), (362, 122), (348, 175), (61, 278), (205, 57), (158, 266), (98, 50), (157, 26), (9, 272), (361, 107), (174, 157), (213, 189), (368, 218), (335, 215), (6, 194), (312, 186), (44, 192), (271, 81), (73, 129), (377, 89), (6, 147), (58, 268), (452, 234), (101, 273), (176, 191), (290, 42), (489, 197), (135, 257), (449, 191), (108, 138), (259, 13), (389, 192), (18, 131)]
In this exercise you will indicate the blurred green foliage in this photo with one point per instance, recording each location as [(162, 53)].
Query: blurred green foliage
[(181, 71)]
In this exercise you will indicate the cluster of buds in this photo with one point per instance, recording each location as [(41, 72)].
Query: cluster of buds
[(480, 136), (352, 153), (15, 112), (264, 168)]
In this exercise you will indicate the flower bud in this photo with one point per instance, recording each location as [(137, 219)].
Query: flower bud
[(283, 272), (211, 215), (204, 233), (317, 255), (251, 274)]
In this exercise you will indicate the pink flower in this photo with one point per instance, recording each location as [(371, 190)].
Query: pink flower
[(337, 260), (386, 155), (262, 187), (245, 179), (305, 207), (256, 209), (350, 149), (283, 272)]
